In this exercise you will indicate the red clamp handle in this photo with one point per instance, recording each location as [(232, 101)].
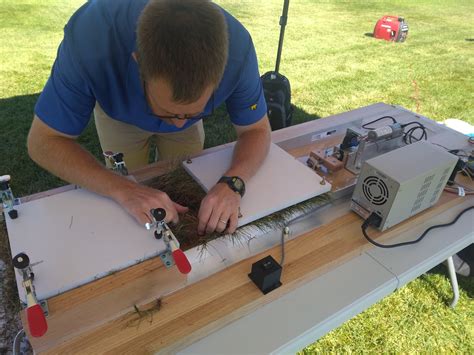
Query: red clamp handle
[(181, 261), (36, 321)]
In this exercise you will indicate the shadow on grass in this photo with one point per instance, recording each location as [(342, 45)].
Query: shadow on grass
[(464, 283), (470, 39), (369, 34)]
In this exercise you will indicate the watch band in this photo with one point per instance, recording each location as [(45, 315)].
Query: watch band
[(235, 183)]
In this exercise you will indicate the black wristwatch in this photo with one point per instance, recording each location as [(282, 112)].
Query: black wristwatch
[(235, 183)]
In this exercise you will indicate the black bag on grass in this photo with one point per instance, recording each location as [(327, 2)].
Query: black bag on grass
[(277, 90), (276, 87)]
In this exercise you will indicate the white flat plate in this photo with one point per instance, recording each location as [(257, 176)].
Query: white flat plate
[(282, 181), (79, 236)]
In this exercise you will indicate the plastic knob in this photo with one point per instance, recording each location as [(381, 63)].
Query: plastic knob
[(118, 157), (159, 214), (13, 214), (21, 261)]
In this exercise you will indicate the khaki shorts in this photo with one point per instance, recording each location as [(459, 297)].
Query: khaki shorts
[(135, 142)]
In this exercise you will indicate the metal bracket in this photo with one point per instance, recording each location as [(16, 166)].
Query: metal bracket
[(43, 304), (167, 259)]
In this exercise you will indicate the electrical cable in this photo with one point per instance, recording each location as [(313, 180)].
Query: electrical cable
[(468, 174), (369, 220), (456, 187), (408, 136), (456, 191), (377, 120), (286, 229), (17, 343), (284, 233)]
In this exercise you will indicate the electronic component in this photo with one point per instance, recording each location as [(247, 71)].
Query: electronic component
[(377, 141), (351, 139), (266, 274), (323, 159), (385, 132), (402, 183)]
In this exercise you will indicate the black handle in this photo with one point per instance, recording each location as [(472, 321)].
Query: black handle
[(283, 20)]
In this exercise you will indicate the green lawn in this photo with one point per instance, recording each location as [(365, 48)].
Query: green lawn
[(333, 67)]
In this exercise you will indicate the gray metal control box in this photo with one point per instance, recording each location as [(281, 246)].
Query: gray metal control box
[(402, 183)]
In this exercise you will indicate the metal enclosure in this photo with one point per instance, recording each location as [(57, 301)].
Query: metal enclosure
[(402, 183)]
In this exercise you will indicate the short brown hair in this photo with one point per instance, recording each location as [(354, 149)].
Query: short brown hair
[(184, 42)]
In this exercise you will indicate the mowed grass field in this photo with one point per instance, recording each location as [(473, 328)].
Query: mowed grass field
[(333, 66)]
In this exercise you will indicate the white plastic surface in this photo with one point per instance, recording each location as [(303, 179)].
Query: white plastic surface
[(282, 181), (78, 236)]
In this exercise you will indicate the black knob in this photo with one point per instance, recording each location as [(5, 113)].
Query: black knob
[(159, 214), (13, 214), (21, 261), (118, 157)]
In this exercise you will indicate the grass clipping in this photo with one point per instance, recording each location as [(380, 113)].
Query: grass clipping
[(183, 189)]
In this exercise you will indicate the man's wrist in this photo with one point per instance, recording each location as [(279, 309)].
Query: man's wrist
[(235, 183)]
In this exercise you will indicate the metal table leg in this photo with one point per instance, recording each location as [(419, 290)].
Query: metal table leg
[(454, 281)]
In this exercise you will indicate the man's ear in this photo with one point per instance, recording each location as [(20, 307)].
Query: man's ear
[(134, 55)]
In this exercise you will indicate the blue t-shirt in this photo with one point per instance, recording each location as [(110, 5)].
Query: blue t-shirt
[(95, 63)]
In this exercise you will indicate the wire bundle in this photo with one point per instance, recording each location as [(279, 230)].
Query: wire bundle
[(410, 136)]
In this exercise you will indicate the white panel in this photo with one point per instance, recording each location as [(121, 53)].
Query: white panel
[(282, 181), (79, 236)]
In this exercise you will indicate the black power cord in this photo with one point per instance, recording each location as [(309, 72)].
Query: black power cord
[(409, 136), (377, 120), (374, 220), (413, 134)]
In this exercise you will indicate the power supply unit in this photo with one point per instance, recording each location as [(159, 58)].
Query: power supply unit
[(401, 183)]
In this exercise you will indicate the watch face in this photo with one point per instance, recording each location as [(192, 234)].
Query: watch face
[(238, 183)]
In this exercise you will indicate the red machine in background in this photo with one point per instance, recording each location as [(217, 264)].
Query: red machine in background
[(391, 28)]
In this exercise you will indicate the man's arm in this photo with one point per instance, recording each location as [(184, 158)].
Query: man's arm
[(220, 208), (64, 157)]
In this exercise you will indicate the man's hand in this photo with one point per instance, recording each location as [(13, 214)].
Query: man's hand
[(219, 210), (138, 200)]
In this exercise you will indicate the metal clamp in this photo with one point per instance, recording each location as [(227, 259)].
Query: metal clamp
[(6, 197), (117, 162), (162, 230), (167, 258), (35, 310)]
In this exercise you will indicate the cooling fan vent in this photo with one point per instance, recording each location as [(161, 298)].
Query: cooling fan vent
[(375, 190)]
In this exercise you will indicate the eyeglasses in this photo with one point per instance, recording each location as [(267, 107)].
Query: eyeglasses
[(199, 116)]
